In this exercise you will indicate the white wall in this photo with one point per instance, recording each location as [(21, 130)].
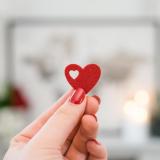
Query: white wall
[(2, 71), (76, 8)]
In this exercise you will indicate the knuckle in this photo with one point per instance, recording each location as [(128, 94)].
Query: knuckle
[(13, 141), (63, 112), (68, 112)]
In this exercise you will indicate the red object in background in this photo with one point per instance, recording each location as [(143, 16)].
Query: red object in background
[(18, 100), (87, 76)]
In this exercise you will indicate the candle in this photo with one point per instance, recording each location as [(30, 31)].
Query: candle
[(136, 118)]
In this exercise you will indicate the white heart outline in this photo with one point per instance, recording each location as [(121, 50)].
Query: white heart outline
[(74, 73)]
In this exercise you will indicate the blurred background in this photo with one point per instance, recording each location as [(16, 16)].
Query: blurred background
[(39, 38)]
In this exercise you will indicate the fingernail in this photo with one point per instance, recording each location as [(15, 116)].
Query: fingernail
[(95, 117), (97, 98), (78, 96), (94, 140)]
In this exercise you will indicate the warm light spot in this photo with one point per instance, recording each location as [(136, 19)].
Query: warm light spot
[(142, 97), (135, 113), (128, 106)]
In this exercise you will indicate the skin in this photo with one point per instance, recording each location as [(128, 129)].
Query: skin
[(65, 131)]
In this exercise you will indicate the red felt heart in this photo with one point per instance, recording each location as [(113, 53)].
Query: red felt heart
[(87, 77)]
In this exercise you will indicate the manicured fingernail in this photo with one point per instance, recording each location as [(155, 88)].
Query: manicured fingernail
[(78, 96), (97, 98), (94, 140), (95, 117)]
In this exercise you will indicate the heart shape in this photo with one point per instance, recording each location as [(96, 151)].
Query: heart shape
[(74, 74), (87, 77)]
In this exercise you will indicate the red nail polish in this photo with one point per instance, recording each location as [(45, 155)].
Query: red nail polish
[(78, 96), (97, 98), (94, 140), (95, 117)]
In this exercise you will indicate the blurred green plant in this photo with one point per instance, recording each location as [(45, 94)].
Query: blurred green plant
[(13, 97), (5, 99)]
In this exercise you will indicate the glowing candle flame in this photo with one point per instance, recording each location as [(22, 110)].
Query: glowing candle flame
[(142, 97), (135, 113)]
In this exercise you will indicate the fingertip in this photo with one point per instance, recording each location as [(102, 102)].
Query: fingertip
[(97, 98), (89, 120), (92, 144), (78, 96), (77, 99), (92, 105), (89, 125), (96, 149)]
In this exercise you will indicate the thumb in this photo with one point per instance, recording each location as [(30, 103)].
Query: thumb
[(62, 122)]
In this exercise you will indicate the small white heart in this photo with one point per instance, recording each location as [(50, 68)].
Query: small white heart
[(74, 74)]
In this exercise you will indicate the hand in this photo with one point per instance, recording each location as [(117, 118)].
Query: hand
[(67, 131)]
